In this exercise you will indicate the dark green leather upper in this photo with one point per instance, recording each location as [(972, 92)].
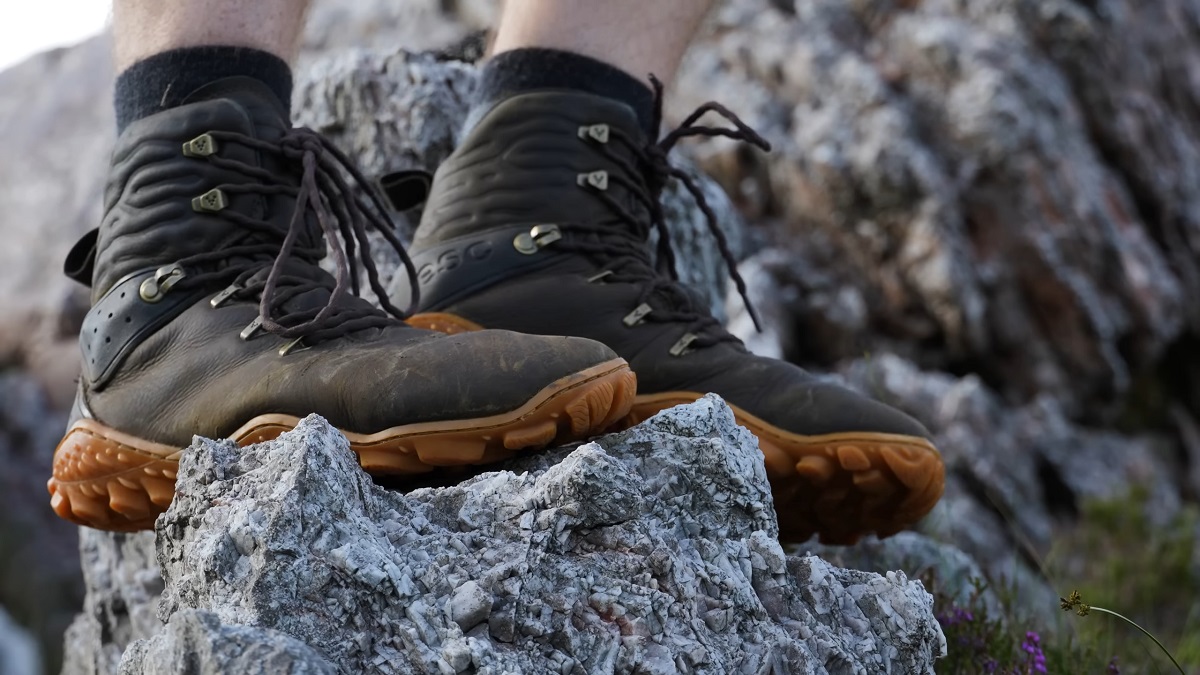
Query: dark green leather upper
[(179, 366), (519, 168)]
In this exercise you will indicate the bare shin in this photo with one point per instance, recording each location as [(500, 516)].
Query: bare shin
[(640, 37), (143, 28)]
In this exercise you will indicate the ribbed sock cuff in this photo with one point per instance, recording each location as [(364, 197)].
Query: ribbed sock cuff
[(524, 70), (166, 79)]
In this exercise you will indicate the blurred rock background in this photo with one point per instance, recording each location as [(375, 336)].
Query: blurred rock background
[(986, 212)]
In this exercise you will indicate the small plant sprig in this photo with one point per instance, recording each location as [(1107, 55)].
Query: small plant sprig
[(1074, 602)]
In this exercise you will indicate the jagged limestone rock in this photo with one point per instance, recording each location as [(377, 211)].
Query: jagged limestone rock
[(653, 549), (123, 588), (1021, 470), (1001, 182)]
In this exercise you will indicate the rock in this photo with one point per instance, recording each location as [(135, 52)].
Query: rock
[(997, 181), (652, 549), (470, 605), (916, 554), (19, 653), (40, 583), (197, 642), (57, 128), (1019, 473), (123, 589)]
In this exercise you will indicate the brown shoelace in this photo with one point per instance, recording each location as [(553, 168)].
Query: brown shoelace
[(286, 256)]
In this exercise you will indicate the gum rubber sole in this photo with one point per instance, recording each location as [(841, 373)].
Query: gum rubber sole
[(839, 487), (110, 480)]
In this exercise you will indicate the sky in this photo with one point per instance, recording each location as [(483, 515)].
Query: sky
[(30, 26)]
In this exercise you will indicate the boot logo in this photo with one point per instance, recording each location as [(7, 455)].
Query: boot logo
[(453, 259)]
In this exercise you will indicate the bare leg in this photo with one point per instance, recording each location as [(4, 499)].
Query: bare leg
[(638, 36), (146, 27)]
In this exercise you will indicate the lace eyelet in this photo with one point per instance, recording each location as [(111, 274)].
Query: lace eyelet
[(593, 179), (220, 298), (594, 132), (537, 238), (681, 347), (291, 347), (638, 315), (250, 330), (200, 146), (210, 202), (153, 289)]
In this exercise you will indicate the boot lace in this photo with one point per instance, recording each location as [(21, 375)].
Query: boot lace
[(342, 216), (621, 242)]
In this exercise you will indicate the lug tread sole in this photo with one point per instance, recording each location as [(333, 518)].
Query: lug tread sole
[(839, 487), (110, 480)]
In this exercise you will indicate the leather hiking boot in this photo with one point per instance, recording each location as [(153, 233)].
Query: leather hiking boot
[(211, 317), (539, 223)]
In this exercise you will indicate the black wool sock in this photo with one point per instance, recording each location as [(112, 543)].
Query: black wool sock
[(166, 79), (524, 70)]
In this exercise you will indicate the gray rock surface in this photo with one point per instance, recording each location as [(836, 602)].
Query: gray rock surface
[(40, 582), (123, 589), (1001, 183), (653, 550), (197, 642)]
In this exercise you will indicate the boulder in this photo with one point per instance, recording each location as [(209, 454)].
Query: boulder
[(652, 550), (999, 187)]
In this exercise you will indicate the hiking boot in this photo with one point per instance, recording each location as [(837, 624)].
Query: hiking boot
[(211, 317), (539, 223)]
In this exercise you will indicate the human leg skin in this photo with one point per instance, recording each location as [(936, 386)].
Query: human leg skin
[(558, 180), (638, 36), (143, 28), (212, 315)]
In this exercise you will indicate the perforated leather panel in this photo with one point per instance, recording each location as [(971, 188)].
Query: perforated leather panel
[(120, 321)]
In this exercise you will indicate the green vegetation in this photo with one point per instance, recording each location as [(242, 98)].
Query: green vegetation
[(1120, 561)]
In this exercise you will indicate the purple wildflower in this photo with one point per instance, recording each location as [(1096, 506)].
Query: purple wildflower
[(1036, 661), (955, 617), (1113, 668)]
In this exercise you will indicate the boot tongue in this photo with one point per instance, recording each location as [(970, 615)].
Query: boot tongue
[(266, 111), (269, 118)]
